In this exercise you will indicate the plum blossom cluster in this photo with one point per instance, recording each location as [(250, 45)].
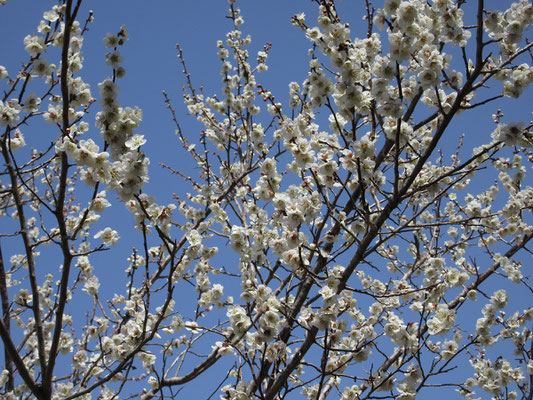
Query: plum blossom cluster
[(507, 27), (124, 167), (513, 134)]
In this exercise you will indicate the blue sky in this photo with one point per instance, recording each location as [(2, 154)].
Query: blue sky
[(152, 66), (151, 63)]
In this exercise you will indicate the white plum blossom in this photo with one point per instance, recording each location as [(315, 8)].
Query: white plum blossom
[(223, 348), (513, 134), (16, 141), (108, 236), (34, 45), (100, 203), (135, 142), (114, 59), (41, 67), (111, 40), (9, 112), (92, 285), (442, 321), (31, 103)]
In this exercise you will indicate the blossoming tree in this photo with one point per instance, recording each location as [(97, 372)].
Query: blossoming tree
[(365, 254)]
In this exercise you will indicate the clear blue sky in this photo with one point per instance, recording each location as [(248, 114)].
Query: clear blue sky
[(152, 66)]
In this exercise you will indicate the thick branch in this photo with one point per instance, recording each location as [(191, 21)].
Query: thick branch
[(6, 319), (70, 16), (19, 364), (29, 254)]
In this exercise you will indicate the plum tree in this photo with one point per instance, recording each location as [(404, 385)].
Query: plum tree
[(337, 245)]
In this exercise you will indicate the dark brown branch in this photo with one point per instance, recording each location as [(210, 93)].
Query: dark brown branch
[(48, 374), (6, 318)]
